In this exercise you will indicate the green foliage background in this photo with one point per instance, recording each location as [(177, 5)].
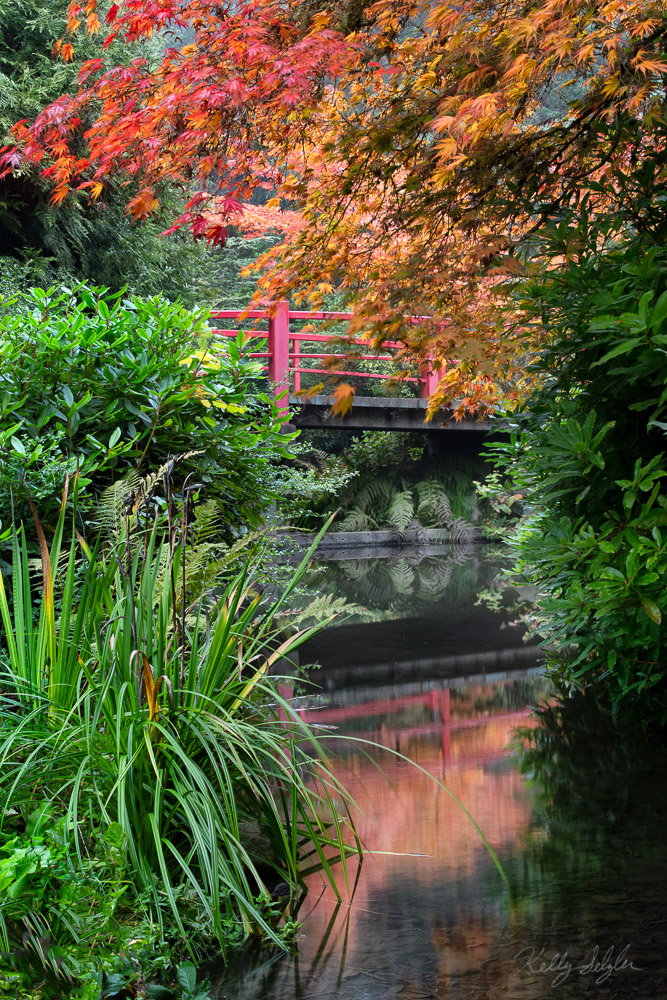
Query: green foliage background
[(590, 461)]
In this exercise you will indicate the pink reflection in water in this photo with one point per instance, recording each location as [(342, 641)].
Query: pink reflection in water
[(400, 810)]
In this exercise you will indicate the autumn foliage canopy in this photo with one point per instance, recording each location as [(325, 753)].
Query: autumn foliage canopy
[(415, 153)]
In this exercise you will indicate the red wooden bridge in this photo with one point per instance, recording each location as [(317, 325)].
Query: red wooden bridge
[(287, 331)]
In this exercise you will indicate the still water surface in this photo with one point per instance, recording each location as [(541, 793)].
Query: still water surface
[(578, 823)]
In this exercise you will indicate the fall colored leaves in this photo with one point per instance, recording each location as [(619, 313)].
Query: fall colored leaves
[(414, 150)]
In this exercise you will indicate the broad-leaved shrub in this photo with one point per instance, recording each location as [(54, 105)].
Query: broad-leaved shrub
[(118, 385)]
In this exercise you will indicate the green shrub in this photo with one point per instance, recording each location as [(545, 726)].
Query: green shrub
[(308, 487), (118, 386), (591, 462), (68, 932), (376, 451)]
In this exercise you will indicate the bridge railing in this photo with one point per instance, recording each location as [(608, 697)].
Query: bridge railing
[(285, 361)]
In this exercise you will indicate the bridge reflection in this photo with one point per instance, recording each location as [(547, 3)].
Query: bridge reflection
[(425, 910), (401, 720)]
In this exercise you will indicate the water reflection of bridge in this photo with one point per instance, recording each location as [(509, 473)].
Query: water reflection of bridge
[(426, 910), (390, 720)]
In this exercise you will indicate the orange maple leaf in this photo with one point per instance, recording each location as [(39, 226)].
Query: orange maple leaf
[(143, 205), (59, 194), (343, 396)]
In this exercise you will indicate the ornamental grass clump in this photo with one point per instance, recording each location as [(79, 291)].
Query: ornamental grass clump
[(127, 706)]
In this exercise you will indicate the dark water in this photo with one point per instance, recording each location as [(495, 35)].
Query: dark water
[(575, 813)]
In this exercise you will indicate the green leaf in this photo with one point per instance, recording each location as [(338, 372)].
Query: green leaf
[(68, 396), (38, 819), (651, 609), (115, 984), (157, 992), (628, 499), (643, 306), (18, 446), (624, 347), (186, 977), (611, 573), (659, 312)]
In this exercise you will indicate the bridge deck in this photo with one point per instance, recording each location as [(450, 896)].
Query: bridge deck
[(381, 413)]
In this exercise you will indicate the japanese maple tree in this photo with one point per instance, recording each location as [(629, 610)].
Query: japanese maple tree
[(424, 144)]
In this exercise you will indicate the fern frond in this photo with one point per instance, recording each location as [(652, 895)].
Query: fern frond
[(402, 576), (434, 579), (208, 521), (356, 520), (206, 563), (311, 458), (377, 493), (418, 529), (356, 569), (376, 590), (461, 531), (401, 510), (148, 484), (434, 507), (324, 608), (112, 502)]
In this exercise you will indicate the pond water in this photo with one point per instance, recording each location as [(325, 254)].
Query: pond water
[(577, 823)]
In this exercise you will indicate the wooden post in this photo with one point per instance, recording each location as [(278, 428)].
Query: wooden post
[(430, 379), (279, 353), (296, 374)]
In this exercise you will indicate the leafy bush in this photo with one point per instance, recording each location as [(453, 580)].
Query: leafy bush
[(308, 487), (592, 462), (116, 387), (67, 931), (375, 451), (328, 467)]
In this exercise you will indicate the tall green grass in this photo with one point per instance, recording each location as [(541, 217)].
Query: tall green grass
[(128, 707)]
